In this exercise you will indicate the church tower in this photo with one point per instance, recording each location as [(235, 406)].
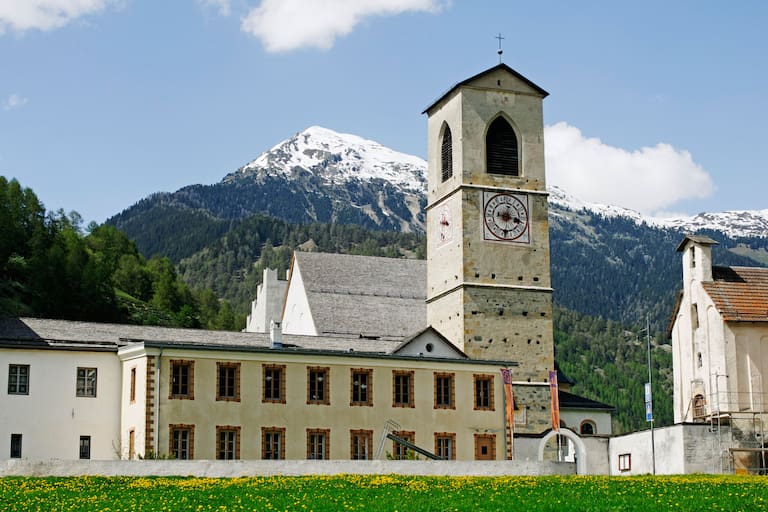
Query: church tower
[(488, 277)]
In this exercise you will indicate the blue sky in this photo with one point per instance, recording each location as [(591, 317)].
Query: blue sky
[(656, 106)]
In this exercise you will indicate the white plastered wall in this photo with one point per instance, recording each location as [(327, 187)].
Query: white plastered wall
[(297, 316), (51, 418)]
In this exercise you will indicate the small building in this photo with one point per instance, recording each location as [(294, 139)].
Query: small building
[(719, 334)]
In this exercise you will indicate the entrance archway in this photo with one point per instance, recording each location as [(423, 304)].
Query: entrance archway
[(581, 450)]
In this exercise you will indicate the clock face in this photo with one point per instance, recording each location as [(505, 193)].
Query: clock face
[(505, 217), (444, 224)]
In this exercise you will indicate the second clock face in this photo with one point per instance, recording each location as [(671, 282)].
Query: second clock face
[(505, 217)]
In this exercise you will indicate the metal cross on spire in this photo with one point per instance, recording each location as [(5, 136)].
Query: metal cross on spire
[(499, 51)]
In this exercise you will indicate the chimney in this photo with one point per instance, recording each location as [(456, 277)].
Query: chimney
[(275, 335)]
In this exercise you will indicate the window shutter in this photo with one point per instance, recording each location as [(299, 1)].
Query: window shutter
[(501, 149), (447, 154)]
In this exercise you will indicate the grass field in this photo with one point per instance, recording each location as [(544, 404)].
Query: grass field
[(387, 493)]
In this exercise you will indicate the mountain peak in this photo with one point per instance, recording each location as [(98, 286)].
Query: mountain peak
[(340, 157)]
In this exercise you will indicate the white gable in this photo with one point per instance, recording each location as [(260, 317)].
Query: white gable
[(297, 315), (429, 343)]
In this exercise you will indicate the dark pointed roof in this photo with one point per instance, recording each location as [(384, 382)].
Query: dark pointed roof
[(570, 401), (502, 66), (699, 239)]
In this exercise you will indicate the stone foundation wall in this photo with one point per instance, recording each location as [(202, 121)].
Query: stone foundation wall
[(242, 468)]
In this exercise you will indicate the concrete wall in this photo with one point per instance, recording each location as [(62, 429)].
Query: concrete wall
[(268, 306), (679, 449), (597, 460), (239, 468)]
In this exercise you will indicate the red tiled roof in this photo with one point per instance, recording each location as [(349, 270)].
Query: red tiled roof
[(740, 293)]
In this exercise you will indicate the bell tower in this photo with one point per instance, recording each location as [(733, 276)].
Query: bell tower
[(488, 276)]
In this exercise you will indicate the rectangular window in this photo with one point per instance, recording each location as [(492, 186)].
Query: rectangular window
[(318, 385), (85, 447), (274, 383), (361, 387), (15, 446), (133, 385), (228, 382), (445, 445), (444, 391), (182, 379), (272, 443), (227, 442), (18, 379), (362, 444), (402, 388), (399, 451), (86, 382), (484, 392), (317, 443), (182, 439), (625, 462)]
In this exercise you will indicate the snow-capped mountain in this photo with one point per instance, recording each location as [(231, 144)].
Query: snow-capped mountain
[(335, 177), (734, 224), (319, 175), (340, 157)]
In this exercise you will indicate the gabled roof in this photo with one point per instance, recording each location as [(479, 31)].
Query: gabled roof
[(431, 330), (364, 295), (570, 401), (501, 66), (65, 334), (740, 294), (699, 239)]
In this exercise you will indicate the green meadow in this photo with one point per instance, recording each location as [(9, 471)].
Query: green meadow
[(387, 493)]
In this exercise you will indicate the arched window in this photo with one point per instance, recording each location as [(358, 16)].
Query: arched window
[(501, 155), (699, 406), (588, 428), (446, 154)]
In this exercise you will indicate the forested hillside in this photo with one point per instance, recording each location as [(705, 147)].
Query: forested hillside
[(50, 268), (617, 269), (608, 361), (232, 265)]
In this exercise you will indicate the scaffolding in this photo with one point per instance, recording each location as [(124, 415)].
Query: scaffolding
[(737, 421)]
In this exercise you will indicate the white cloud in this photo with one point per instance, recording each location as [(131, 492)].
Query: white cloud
[(222, 6), (22, 15), (14, 101), (285, 25), (647, 180)]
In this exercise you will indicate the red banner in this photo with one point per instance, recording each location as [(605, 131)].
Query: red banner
[(506, 379), (555, 405)]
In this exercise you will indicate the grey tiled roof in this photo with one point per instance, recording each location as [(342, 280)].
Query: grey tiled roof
[(365, 294), (46, 333)]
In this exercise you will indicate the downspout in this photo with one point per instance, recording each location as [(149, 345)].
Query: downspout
[(157, 403)]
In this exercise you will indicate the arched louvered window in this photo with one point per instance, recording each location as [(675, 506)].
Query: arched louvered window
[(446, 154), (501, 155)]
